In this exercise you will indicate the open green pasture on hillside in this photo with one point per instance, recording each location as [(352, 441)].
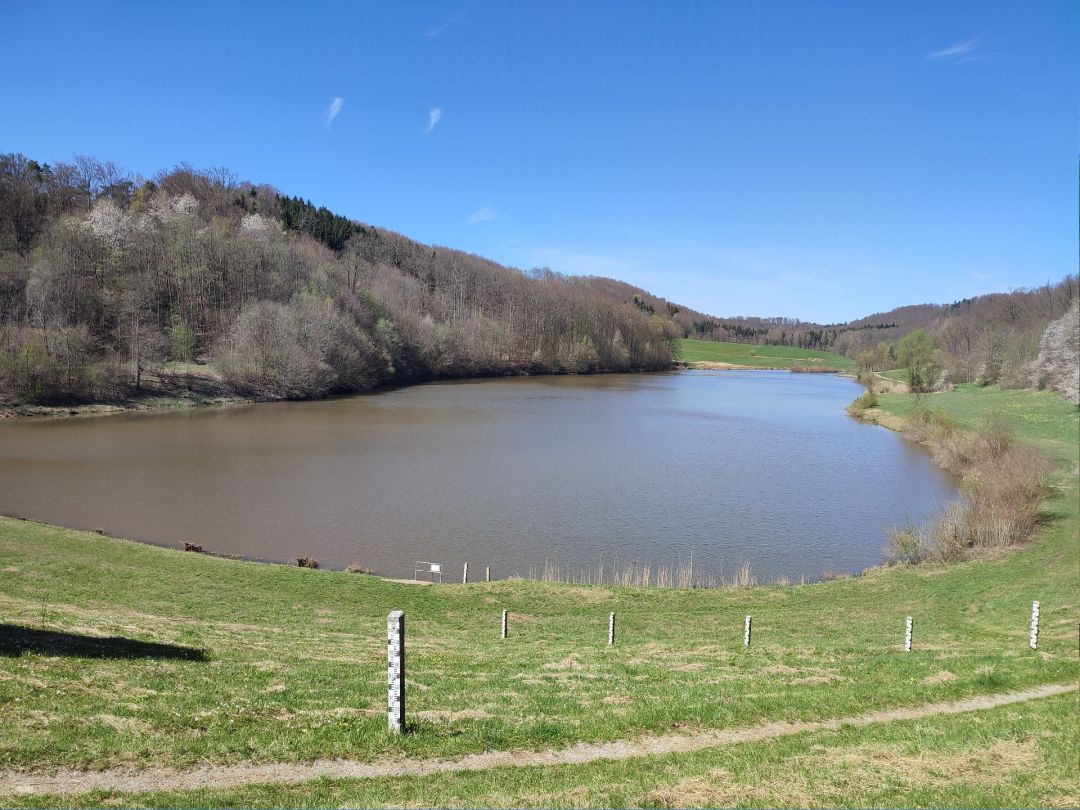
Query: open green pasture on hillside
[(897, 374), (117, 653), (745, 354)]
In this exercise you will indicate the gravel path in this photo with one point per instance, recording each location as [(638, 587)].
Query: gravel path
[(128, 780)]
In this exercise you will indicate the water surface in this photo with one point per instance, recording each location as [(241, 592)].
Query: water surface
[(760, 467)]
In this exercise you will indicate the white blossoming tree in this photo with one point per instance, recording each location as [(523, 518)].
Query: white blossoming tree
[(1057, 366)]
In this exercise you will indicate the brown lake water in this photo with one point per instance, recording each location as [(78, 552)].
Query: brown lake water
[(760, 467)]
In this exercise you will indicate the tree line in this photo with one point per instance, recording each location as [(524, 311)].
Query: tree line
[(105, 276), (1015, 340)]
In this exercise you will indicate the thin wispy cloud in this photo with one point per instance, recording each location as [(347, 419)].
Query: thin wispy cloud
[(333, 110), (434, 116), (484, 214), (963, 51), (437, 31)]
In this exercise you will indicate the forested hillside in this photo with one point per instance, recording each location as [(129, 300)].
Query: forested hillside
[(108, 281), (106, 277), (990, 338)]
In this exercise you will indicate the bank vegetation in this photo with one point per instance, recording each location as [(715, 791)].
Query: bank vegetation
[(1003, 486)]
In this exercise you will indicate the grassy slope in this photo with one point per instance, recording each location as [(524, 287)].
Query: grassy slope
[(296, 658), (898, 374), (743, 354)]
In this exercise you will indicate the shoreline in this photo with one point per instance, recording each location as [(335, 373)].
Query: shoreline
[(880, 419), (204, 389), (183, 396), (158, 404)]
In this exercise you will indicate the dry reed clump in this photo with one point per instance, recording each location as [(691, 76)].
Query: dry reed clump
[(1004, 497), (829, 575), (930, 427), (307, 562), (1003, 488), (641, 575), (744, 578)]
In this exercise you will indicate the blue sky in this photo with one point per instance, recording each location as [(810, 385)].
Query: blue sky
[(816, 160)]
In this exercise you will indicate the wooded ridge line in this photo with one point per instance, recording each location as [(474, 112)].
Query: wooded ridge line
[(111, 284)]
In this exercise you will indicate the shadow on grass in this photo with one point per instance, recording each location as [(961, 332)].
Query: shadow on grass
[(16, 640)]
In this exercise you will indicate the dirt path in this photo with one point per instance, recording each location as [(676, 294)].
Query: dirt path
[(14, 783)]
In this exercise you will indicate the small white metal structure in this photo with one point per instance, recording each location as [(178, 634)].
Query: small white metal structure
[(1033, 639), (746, 632), (611, 629), (487, 573), (465, 574), (430, 568), (907, 633), (504, 624)]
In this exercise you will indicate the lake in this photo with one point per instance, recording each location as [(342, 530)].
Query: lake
[(758, 466)]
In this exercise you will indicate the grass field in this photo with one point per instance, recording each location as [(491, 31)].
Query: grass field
[(290, 666), (991, 760), (743, 354)]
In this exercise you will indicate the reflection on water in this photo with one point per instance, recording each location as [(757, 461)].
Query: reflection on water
[(756, 466)]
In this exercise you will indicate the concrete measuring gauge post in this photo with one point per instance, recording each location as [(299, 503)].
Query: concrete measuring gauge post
[(395, 671)]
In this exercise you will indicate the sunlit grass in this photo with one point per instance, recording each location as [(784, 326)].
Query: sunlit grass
[(1014, 756), (744, 354)]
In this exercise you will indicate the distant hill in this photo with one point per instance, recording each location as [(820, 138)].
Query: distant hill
[(991, 338)]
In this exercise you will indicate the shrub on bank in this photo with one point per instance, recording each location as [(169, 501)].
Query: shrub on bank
[(1003, 487), (868, 399), (1004, 495), (942, 538), (52, 365)]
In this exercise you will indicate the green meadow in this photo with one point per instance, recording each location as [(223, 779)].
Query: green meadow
[(744, 354), (896, 374), (115, 653)]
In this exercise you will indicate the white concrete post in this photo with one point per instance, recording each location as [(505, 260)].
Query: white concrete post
[(504, 625), (465, 574), (1033, 640), (746, 632), (395, 671), (907, 633), (487, 573), (611, 629)]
